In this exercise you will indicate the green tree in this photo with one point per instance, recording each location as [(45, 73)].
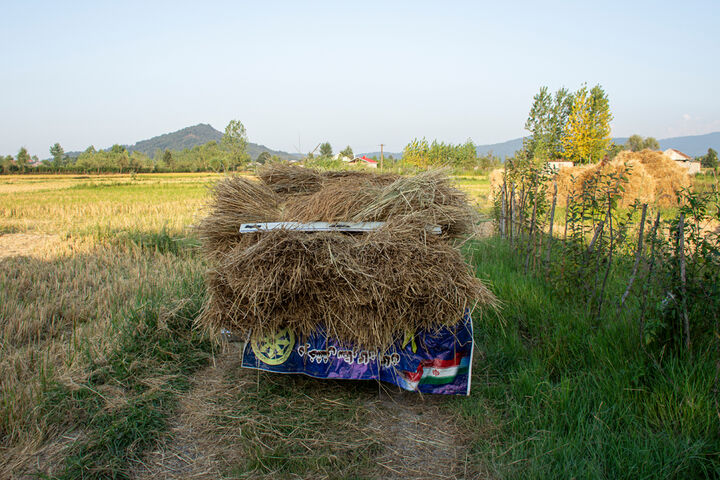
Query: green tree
[(637, 143), (326, 150), (58, 155), (539, 125), (634, 143), (264, 157), (23, 160), (348, 152), (710, 159), (651, 143), (234, 142), (8, 164), (168, 160)]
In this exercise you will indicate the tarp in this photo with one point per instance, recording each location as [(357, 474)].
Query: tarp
[(427, 362)]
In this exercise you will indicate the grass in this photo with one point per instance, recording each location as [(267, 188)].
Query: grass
[(578, 398), (96, 345)]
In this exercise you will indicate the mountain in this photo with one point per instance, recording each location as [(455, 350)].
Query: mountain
[(199, 134), (693, 145), (189, 137)]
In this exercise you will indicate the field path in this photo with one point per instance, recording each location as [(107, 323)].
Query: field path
[(419, 438)]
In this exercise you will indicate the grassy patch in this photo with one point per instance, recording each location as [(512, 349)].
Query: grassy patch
[(578, 398), (154, 354)]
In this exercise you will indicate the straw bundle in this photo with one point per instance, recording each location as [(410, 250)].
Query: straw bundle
[(365, 290), (669, 176), (639, 184)]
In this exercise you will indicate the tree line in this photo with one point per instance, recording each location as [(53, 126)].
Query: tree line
[(230, 154)]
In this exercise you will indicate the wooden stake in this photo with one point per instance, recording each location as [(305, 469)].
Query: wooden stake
[(638, 256), (681, 255)]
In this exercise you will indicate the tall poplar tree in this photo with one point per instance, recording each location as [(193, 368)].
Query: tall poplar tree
[(586, 137)]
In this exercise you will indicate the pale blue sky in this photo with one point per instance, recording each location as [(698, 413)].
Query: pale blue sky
[(357, 73)]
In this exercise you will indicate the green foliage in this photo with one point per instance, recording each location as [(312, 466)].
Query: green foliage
[(347, 152), (710, 159), (558, 393), (23, 160), (421, 154), (637, 143), (234, 142), (546, 121), (150, 344), (326, 150)]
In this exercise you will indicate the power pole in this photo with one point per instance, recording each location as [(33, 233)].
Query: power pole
[(381, 156)]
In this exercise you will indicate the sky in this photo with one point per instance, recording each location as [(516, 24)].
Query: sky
[(351, 73)]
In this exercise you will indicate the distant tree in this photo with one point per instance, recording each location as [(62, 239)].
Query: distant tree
[(546, 124), (587, 133), (58, 155), (710, 159), (264, 157), (23, 159), (326, 150), (348, 152), (637, 143), (168, 160), (634, 143), (539, 125), (234, 142), (651, 143), (7, 164)]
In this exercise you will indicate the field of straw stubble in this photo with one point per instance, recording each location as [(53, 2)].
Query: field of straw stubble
[(100, 281)]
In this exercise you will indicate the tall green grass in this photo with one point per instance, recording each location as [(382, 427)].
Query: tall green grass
[(577, 398)]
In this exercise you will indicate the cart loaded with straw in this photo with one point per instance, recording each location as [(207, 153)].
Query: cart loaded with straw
[(345, 274)]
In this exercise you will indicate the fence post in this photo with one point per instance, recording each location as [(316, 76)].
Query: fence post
[(531, 243), (503, 208), (638, 255), (648, 279), (512, 213), (552, 220), (681, 255)]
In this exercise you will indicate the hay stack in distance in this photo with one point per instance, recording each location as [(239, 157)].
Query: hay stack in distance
[(366, 290)]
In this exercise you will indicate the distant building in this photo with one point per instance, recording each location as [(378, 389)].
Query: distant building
[(557, 165), (368, 162), (686, 161)]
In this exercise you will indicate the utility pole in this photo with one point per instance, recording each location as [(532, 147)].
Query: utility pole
[(381, 156)]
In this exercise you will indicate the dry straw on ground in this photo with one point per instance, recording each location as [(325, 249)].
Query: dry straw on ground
[(367, 289)]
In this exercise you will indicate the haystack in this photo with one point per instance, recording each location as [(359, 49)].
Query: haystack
[(651, 178), (364, 289), (668, 175)]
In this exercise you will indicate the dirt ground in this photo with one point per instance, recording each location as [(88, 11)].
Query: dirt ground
[(421, 440)]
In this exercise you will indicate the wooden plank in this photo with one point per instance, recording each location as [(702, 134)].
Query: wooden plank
[(351, 227)]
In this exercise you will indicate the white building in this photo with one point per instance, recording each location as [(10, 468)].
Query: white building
[(686, 161)]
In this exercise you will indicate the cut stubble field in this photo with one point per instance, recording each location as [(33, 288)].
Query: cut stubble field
[(88, 267), (102, 374)]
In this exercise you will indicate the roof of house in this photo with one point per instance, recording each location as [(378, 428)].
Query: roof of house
[(365, 159), (677, 154)]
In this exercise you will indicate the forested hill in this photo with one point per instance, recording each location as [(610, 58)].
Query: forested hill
[(190, 137), (187, 137), (198, 134)]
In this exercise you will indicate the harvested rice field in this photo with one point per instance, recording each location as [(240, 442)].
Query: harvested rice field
[(104, 376), (103, 373)]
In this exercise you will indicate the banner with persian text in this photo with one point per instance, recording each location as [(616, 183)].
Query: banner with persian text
[(427, 362)]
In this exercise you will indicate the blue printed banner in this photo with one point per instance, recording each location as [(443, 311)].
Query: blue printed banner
[(427, 362)]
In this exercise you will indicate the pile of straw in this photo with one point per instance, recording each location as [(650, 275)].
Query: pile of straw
[(669, 177), (364, 289), (652, 178), (639, 184)]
